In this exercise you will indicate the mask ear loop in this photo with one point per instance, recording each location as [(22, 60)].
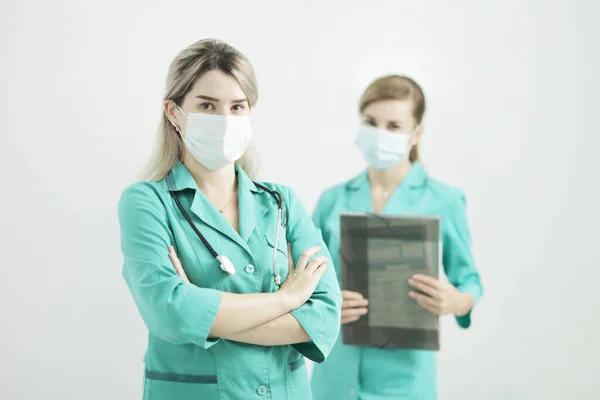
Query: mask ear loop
[(412, 134), (175, 126), (185, 115)]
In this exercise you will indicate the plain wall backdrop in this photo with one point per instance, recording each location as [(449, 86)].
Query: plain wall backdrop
[(512, 90)]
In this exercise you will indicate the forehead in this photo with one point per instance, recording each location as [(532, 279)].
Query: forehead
[(390, 109), (216, 83)]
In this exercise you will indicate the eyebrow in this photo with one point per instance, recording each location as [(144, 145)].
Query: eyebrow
[(390, 121), (217, 100)]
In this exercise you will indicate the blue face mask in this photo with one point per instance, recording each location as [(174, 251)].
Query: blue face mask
[(382, 149)]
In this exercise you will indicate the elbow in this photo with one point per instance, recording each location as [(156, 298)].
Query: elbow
[(330, 332), (158, 311), (320, 318), (335, 317), (167, 327), (332, 316), (190, 312), (180, 314), (173, 324), (175, 327)]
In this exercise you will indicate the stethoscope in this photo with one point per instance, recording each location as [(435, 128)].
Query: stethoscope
[(224, 262)]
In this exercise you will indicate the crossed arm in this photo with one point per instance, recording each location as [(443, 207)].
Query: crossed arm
[(304, 312), (282, 330)]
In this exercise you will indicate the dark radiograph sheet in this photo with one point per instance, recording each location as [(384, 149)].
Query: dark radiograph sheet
[(378, 254)]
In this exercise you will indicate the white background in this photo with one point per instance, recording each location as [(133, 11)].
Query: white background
[(513, 104)]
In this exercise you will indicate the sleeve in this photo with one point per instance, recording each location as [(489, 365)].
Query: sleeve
[(320, 315), (320, 214), (458, 261), (172, 310)]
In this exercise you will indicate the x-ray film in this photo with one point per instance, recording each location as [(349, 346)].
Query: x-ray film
[(378, 254)]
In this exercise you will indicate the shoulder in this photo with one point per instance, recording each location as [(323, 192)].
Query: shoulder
[(276, 187), (334, 192), (286, 192), (451, 198), (337, 192), (141, 195)]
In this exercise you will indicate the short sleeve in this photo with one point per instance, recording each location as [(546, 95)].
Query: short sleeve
[(172, 310), (320, 315)]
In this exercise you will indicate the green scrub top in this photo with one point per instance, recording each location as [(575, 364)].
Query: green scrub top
[(181, 362), (370, 373)]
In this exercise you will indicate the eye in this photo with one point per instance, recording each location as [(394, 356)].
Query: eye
[(394, 127), (370, 122), (237, 107), (207, 106)]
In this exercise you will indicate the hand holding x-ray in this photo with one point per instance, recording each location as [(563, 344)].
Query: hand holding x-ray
[(354, 306), (439, 297)]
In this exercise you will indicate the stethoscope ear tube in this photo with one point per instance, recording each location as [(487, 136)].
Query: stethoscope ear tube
[(224, 262), (279, 199), (189, 220)]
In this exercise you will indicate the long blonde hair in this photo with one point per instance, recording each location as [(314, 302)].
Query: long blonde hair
[(396, 87), (199, 58)]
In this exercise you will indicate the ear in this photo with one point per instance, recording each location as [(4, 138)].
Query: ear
[(171, 112), (417, 135)]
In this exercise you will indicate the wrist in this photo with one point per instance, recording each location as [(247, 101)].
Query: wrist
[(285, 301), (465, 304)]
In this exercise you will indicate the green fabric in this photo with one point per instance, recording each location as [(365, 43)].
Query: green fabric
[(179, 316)]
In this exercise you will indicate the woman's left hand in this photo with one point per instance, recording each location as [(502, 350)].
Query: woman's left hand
[(440, 298), (177, 264)]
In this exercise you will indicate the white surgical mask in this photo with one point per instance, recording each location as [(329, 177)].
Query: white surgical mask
[(382, 149), (217, 140)]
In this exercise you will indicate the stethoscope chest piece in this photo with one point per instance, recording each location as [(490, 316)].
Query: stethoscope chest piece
[(226, 264)]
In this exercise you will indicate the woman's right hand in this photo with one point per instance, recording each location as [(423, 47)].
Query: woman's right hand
[(354, 306), (303, 277)]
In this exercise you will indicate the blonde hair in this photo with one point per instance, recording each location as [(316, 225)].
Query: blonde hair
[(396, 87), (199, 58)]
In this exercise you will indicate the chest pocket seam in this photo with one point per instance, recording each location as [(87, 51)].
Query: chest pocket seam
[(280, 245)]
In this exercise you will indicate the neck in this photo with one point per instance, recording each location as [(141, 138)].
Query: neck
[(214, 184), (388, 179)]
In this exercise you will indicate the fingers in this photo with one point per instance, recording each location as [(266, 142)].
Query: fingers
[(348, 295), (355, 303), (320, 271), (290, 258), (426, 302), (426, 280), (352, 314), (348, 320), (177, 264), (305, 256), (315, 263), (425, 288)]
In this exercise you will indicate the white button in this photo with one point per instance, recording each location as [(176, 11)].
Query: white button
[(262, 390), (352, 392), (250, 269)]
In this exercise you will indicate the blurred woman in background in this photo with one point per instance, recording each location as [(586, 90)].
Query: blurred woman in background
[(394, 182)]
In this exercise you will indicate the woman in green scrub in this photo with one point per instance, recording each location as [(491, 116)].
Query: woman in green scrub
[(394, 182), (242, 314)]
